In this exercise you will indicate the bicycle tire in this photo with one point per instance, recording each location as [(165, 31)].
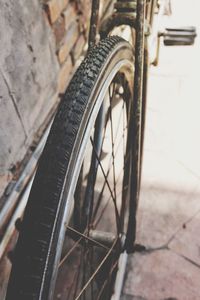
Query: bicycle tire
[(38, 249)]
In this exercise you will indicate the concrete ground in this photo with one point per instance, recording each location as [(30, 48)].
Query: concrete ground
[(169, 210)]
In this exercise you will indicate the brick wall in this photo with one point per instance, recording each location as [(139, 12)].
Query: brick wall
[(68, 20), (70, 24), (41, 41)]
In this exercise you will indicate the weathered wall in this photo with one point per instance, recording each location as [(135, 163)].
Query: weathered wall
[(40, 43), (28, 71)]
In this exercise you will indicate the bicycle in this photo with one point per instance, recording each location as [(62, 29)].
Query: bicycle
[(81, 213)]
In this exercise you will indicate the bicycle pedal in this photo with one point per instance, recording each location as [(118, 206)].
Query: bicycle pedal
[(180, 36)]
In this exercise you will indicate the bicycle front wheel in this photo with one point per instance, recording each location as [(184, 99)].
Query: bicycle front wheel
[(75, 222)]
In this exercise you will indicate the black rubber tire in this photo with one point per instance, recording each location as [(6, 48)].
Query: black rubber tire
[(35, 253)]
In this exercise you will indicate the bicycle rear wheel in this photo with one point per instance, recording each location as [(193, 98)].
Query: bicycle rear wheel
[(75, 221)]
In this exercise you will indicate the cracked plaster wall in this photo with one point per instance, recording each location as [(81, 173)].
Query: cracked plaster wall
[(28, 79)]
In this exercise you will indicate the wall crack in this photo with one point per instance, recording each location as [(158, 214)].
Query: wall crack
[(11, 94)]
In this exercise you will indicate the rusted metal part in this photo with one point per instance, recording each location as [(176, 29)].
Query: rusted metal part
[(156, 59), (144, 99), (126, 6), (94, 23), (155, 36), (136, 124), (153, 6), (147, 28), (116, 19), (125, 14), (105, 238)]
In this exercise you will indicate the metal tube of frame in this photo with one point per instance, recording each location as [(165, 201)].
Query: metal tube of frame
[(94, 22), (136, 123)]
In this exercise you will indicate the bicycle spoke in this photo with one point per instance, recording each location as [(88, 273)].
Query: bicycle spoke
[(105, 206), (91, 272), (112, 141), (69, 253), (114, 200), (108, 172), (104, 184), (105, 282), (84, 268), (97, 270), (75, 283), (85, 237)]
